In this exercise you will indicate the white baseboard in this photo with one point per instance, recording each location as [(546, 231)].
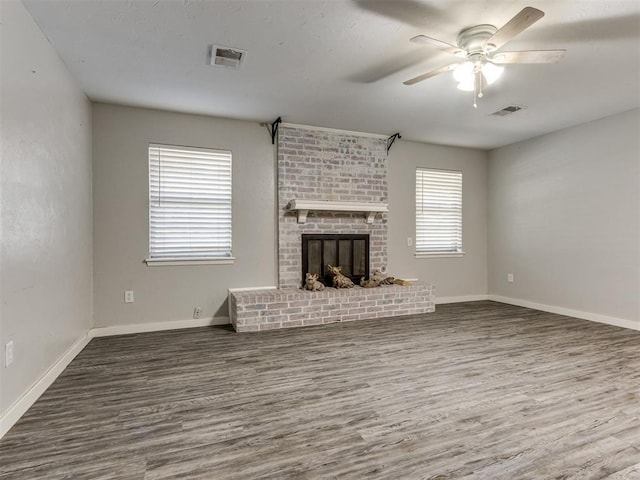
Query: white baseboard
[(20, 406), (461, 298), (594, 317), (156, 326), (248, 289)]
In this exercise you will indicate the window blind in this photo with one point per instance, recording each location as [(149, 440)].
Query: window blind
[(438, 211), (189, 203)]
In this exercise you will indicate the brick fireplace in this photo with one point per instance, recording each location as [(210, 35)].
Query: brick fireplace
[(329, 183), (333, 167)]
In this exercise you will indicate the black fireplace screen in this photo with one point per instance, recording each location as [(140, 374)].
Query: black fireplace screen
[(351, 252)]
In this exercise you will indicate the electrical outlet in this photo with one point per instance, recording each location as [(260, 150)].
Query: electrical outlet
[(8, 354), (128, 296), (196, 312), (409, 242), (510, 277)]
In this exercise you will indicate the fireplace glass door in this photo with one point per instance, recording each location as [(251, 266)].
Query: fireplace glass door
[(351, 252)]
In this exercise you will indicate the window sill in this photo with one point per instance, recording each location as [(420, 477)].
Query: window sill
[(173, 262), (440, 255)]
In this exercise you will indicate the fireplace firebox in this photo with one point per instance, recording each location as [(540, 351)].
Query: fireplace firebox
[(351, 252)]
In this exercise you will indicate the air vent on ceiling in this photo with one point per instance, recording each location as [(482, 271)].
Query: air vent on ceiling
[(226, 57), (507, 110)]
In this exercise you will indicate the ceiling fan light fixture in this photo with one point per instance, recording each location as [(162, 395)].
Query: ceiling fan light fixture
[(467, 85), (491, 72), (464, 73)]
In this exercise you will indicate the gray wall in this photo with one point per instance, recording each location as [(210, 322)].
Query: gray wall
[(121, 136), (564, 218), (452, 277), (45, 205)]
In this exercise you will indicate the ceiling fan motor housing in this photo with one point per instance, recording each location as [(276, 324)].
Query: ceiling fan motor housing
[(474, 39)]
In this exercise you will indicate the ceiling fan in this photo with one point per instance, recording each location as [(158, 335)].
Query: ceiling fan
[(480, 59)]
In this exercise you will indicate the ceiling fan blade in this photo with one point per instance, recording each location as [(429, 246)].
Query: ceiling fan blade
[(439, 44), (430, 74), (387, 67), (528, 56), (411, 12), (524, 19)]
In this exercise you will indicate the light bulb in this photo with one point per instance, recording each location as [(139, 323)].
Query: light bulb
[(467, 86), (491, 72), (463, 73)]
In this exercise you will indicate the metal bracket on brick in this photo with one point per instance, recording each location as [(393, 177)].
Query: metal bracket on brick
[(274, 130), (392, 139)]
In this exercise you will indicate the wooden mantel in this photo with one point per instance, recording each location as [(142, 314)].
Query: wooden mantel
[(303, 207)]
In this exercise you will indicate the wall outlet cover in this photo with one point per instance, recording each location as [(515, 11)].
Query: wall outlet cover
[(8, 353)]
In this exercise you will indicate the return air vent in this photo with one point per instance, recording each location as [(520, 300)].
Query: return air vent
[(507, 110), (226, 57)]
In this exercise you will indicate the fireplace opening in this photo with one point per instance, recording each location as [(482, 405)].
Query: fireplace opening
[(351, 252)]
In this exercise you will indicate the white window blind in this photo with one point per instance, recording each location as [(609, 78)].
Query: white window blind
[(438, 211), (189, 203)]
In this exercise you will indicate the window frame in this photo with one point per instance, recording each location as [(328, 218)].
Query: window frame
[(439, 253), (160, 260)]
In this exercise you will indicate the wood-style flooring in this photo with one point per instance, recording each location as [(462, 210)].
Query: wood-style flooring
[(478, 390)]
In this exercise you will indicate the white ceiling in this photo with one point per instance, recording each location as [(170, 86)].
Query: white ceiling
[(341, 63)]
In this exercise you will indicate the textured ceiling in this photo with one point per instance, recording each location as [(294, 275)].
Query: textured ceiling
[(341, 63)]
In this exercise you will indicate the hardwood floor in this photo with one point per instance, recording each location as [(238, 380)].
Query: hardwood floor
[(479, 390)]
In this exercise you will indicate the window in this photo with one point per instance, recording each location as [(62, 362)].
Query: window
[(438, 212), (189, 205)]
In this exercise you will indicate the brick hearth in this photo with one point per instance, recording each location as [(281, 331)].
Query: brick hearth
[(258, 310)]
